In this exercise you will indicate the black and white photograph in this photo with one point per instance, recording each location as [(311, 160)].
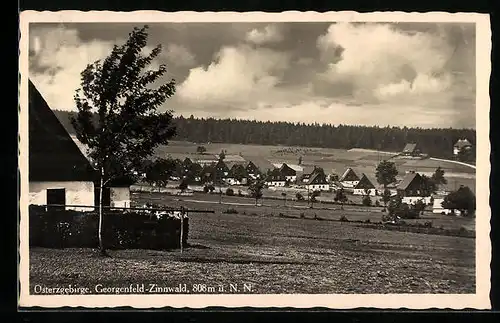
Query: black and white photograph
[(228, 159)]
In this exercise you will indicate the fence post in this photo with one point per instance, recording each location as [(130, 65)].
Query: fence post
[(182, 228)]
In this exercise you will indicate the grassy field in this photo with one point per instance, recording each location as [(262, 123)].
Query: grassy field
[(331, 160), (274, 254)]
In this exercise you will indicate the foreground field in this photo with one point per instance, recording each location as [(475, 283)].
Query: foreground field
[(273, 254)]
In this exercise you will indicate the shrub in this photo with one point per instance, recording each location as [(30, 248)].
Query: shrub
[(299, 196), (343, 218), (205, 189), (240, 193), (377, 203), (230, 211), (367, 221), (302, 215), (229, 192), (121, 230), (367, 201), (281, 215)]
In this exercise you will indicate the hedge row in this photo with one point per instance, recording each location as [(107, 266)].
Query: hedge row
[(121, 230)]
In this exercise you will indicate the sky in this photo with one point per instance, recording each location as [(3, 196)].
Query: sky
[(397, 74)]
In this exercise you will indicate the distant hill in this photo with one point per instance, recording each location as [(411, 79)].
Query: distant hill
[(435, 142)]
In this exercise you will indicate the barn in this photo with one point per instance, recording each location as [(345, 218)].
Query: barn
[(59, 173)]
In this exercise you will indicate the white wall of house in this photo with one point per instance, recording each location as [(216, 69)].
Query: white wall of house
[(291, 178), (349, 183), (456, 150), (77, 193), (120, 196), (415, 199), (438, 208), (361, 191), (234, 181), (321, 187), (276, 183)]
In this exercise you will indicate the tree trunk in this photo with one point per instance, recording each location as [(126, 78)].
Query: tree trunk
[(101, 188)]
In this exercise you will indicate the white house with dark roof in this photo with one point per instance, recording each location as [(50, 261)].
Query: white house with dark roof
[(461, 145), (365, 187), (318, 182), (276, 178), (59, 173), (411, 149), (412, 189), (349, 179)]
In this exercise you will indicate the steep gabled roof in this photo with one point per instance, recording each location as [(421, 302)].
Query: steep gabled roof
[(287, 170), (251, 167), (53, 155), (364, 183), (317, 178), (409, 148), (409, 178), (349, 175)]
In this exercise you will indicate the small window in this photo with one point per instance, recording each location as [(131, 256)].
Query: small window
[(56, 198)]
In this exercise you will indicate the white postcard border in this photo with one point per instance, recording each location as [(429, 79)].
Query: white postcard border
[(480, 300)]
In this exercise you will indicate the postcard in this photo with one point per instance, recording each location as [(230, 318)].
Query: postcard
[(297, 159)]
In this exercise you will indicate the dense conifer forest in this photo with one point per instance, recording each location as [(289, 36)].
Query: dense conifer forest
[(437, 142)]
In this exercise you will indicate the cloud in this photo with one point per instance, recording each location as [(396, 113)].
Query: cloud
[(58, 58), (381, 61), (179, 55), (268, 34), (235, 77)]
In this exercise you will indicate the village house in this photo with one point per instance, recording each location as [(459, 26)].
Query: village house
[(411, 149), (365, 187), (349, 179), (289, 173), (304, 176), (461, 145), (438, 208), (318, 182), (252, 170), (276, 178), (221, 169), (237, 175), (115, 194), (59, 173), (412, 189)]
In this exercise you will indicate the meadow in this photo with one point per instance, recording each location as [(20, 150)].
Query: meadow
[(285, 246), (275, 249)]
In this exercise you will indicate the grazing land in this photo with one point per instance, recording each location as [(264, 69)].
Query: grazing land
[(276, 254)]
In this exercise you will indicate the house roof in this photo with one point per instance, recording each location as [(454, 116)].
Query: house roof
[(349, 175), (287, 170), (462, 143), (409, 178), (53, 155), (364, 182), (317, 178), (409, 148)]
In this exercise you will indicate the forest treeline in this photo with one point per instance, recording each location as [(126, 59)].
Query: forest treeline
[(436, 142)]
